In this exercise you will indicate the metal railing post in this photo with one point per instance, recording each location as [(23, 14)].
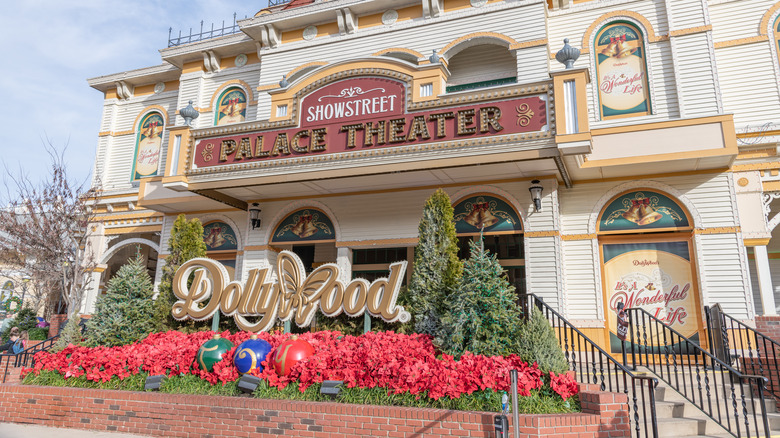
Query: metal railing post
[(515, 414)]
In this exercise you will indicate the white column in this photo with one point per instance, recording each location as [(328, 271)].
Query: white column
[(765, 280), (344, 261)]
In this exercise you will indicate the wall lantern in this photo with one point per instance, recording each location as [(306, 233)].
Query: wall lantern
[(254, 214), (536, 194)]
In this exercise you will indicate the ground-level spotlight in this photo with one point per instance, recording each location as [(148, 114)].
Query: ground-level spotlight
[(331, 388), (153, 382), (248, 384)]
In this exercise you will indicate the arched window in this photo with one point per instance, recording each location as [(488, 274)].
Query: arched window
[(231, 107), (500, 226), (621, 69), (221, 244), (148, 146)]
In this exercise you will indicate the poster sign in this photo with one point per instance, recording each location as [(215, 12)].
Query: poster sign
[(147, 151), (621, 71), (655, 276), (622, 322)]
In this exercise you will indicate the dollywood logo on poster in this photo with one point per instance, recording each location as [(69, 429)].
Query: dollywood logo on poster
[(657, 281), (293, 294)]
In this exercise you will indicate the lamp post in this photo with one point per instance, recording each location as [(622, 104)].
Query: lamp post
[(25, 282)]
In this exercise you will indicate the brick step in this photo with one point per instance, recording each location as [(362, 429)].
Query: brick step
[(12, 375)]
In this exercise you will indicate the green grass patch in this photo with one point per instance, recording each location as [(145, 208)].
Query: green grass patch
[(539, 402)]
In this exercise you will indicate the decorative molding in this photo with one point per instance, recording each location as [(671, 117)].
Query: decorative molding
[(508, 41), (294, 71), (414, 53), (717, 230), (567, 237), (163, 112), (690, 30), (379, 242), (757, 242), (551, 233), (765, 20), (526, 44), (741, 41)]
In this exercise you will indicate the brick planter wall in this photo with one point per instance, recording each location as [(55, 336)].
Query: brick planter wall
[(167, 415), (770, 326)]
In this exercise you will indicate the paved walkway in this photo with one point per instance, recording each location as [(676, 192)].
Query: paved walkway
[(9, 430)]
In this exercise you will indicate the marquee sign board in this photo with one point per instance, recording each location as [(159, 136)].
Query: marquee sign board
[(367, 113), (292, 295)]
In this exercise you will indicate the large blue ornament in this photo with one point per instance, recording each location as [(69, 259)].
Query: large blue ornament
[(250, 354)]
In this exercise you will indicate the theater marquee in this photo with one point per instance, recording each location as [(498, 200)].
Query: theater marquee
[(369, 113)]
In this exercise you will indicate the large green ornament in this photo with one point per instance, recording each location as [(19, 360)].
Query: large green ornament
[(211, 352)]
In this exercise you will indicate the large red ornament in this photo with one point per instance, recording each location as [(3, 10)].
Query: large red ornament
[(289, 353)]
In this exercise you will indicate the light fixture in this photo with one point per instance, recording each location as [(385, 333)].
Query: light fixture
[(331, 388), (536, 194), (153, 383), (254, 214), (248, 384)]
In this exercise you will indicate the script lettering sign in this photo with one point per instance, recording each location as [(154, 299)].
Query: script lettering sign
[(256, 304)]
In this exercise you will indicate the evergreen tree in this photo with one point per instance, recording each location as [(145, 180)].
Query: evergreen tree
[(185, 243), (70, 334), (125, 313), (437, 268), (482, 316), (539, 344)]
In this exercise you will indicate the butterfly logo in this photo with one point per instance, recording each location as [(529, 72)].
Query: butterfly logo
[(301, 294)]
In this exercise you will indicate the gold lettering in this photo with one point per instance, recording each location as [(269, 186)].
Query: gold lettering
[(396, 128), (296, 141), (466, 117), (231, 298), (259, 152), (351, 129), (489, 116), (355, 295), (201, 288), (227, 148), (370, 132), (441, 126), (419, 128), (318, 143), (281, 146), (244, 149)]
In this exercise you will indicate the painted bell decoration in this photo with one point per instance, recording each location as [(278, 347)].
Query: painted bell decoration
[(473, 217), (632, 214), (309, 229), (487, 219), (647, 214), (611, 49), (623, 48)]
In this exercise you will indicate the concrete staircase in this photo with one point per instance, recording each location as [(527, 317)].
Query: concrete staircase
[(679, 418)]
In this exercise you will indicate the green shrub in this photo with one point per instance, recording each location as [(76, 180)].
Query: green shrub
[(38, 333), (537, 343), (25, 320)]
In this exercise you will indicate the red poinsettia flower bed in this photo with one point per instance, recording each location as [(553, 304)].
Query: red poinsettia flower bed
[(400, 363)]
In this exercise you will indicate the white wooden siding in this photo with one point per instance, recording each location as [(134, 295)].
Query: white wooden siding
[(697, 80)]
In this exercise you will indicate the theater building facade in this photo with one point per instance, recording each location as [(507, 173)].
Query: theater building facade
[(321, 127)]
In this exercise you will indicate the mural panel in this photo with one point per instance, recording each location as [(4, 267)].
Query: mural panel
[(642, 211), (231, 107), (304, 225), (219, 236), (622, 72), (148, 146), (485, 212)]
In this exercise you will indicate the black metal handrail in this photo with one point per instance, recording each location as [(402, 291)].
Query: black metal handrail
[(26, 357), (753, 351), (710, 384), (593, 365)]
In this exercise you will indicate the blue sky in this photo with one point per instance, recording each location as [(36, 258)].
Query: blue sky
[(50, 48)]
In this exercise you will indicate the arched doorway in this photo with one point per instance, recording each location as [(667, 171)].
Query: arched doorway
[(497, 221), (648, 262)]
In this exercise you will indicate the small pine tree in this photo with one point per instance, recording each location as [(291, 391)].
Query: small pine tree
[(539, 344), (185, 243), (437, 268), (70, 334), (125, 313), (483, 316)]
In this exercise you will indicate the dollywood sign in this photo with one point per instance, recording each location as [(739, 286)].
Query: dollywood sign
[(293, 294)]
